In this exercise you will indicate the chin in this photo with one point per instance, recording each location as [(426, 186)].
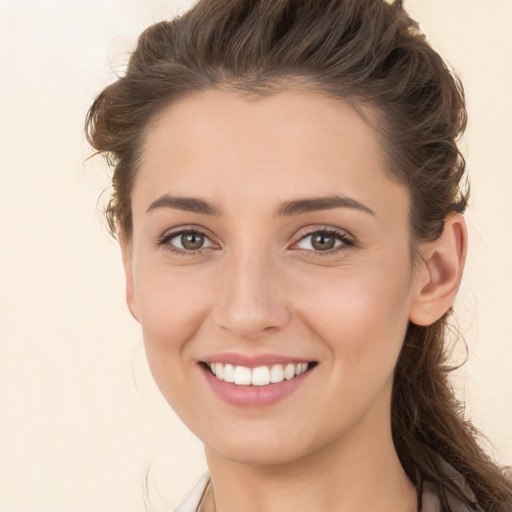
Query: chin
[(260, 454), (257, 449)]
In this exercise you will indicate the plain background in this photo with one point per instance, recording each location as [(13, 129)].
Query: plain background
[(82, 426)]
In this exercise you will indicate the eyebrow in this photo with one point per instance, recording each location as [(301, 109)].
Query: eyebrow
[(188, 204), (320, 203), (287, 209)]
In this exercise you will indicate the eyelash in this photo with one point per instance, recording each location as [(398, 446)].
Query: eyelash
[(342, 236), (167, 237)]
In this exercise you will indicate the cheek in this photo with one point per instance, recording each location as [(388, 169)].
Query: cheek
[(362, 325), (361, 316), (172, 306)]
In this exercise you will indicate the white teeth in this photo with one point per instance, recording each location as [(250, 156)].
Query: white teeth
[(289, 371), (276, 373), (242, 376), (229, 373), (260, 376)]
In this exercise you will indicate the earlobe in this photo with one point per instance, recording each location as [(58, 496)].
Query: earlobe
[(439, 277), (125, 243)]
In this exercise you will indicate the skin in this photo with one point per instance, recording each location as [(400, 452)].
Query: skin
[(258, 286)]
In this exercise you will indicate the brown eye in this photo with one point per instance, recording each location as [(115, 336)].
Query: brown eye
[(188, 240), (323, 241), (192, 241)]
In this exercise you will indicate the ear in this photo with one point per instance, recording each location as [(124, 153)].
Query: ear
[(125, 243), (438, 277)]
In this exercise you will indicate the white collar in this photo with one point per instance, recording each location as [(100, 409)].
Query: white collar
[(191, 502)]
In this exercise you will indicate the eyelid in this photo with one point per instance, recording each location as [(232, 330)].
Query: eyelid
[(347, 240), (168, 235), (179, 234)]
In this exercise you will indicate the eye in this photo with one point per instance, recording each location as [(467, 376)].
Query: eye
[(324, 240), (186, 241)]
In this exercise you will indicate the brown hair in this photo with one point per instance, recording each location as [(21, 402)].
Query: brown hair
[(366, 52)]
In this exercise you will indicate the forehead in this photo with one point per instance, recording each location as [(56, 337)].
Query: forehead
[(292, 143)]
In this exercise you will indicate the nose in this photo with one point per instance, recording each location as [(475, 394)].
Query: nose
[(251, 297)]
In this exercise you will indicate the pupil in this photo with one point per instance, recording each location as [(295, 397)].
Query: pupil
[(192, 241), (323, 241)]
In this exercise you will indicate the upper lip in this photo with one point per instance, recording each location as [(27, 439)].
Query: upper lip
[(253, 360)]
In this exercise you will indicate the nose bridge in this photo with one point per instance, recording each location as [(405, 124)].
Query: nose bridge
[(251, 299)]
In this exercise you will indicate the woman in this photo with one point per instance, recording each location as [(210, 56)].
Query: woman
[(288, 196)]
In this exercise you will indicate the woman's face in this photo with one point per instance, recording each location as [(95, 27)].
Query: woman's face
[(267, 234)]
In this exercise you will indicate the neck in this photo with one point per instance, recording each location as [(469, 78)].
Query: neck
[(354, 473)]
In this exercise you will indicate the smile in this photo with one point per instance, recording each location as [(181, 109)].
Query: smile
[(259, 376)]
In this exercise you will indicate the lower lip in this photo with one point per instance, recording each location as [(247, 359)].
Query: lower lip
[(253, 396)]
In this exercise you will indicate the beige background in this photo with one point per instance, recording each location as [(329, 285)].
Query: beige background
[(82, 426)]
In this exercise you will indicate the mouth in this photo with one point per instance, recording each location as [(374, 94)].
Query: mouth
[(260, 376)]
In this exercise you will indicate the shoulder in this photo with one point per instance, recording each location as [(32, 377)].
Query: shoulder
[(430, 501), (430, 497)]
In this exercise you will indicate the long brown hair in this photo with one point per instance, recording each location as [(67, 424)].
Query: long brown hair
[(366, 52)]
